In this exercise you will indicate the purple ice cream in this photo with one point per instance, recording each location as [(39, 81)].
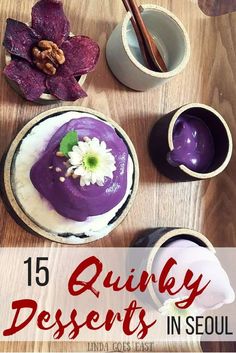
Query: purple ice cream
[(68, 198), (193, 144)]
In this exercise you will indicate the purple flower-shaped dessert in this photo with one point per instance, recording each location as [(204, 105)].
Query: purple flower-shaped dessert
[(45, 58)]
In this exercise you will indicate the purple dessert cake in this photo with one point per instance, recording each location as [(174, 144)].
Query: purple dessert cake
[(73, 174)]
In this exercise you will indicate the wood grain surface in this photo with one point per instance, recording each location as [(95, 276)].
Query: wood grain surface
[(207, 206)]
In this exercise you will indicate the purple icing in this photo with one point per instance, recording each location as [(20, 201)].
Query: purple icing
[(193, 144), (68, 198)]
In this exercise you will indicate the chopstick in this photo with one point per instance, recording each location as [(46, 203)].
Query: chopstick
[(147, 44), (139, 36)]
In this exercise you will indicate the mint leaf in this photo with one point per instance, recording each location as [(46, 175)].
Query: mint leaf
[(68, 141)]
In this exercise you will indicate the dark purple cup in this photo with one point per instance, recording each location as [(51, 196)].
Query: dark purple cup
[(162, 143)]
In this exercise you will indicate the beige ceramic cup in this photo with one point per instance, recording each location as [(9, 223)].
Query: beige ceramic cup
[(123, 53)]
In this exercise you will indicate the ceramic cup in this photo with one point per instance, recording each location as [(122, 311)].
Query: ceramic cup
[(161, 143), (123, 53), (152, 242)]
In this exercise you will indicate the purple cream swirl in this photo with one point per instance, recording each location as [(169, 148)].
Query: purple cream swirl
[(68, 198), (193, 144)]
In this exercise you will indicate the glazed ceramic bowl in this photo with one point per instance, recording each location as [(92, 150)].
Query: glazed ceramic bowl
[(161, 143), (10, 189), (123, 53), (154, 240), (45, 98)]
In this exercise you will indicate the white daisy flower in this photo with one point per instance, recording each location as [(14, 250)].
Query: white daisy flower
[(169, 308), (91, 161)]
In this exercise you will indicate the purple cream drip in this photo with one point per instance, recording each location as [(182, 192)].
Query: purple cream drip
[(68, 198), (193, 144)]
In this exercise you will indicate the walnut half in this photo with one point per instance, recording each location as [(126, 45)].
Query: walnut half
[(48, 57)]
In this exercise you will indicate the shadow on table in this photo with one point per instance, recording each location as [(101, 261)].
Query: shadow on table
[(138, 129)]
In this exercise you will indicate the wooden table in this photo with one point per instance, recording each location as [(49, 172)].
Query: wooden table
[(208, 206)]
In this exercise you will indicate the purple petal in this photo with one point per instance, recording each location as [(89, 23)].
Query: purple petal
[(49, 20), (28, 79), (81, 54), (19, 39), (64, 86)]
